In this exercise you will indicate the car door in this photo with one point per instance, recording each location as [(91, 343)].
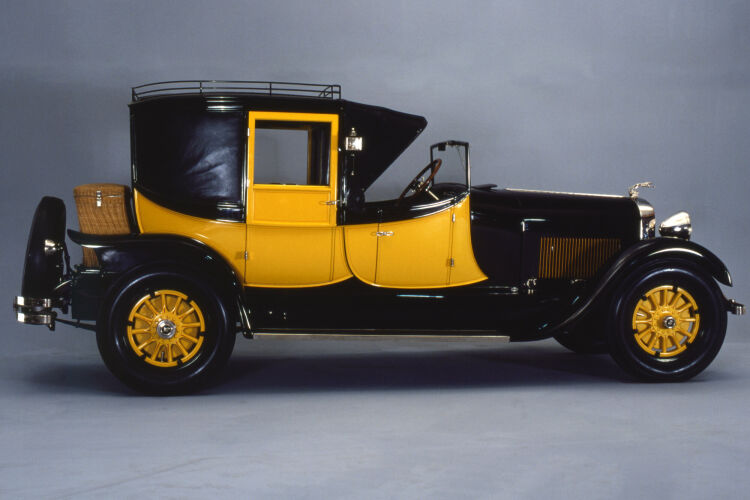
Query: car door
[(292, 238)]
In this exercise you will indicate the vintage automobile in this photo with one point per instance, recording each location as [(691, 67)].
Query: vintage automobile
[(248, 212)]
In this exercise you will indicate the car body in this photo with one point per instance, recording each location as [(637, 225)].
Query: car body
[(249, 213)]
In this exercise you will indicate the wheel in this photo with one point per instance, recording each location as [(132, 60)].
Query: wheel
[(668, 323), (165, 332)]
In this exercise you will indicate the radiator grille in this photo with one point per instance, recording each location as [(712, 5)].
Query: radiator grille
[(574, 257)]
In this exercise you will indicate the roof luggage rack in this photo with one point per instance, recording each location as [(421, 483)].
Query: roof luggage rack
[(327, 91)]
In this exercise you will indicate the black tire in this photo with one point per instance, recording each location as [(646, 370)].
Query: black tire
[(145, 369), (667, 360)]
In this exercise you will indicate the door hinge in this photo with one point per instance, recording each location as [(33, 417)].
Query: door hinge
[(453, 218), (245, 254), (451, 262)]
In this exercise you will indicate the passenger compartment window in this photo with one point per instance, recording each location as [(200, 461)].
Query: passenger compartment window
[(289, 152)]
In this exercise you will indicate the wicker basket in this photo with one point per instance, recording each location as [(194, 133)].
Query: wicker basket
[(102, 209)]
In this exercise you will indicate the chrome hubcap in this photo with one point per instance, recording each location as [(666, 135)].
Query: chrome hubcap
[(669, 322), (166, 329)]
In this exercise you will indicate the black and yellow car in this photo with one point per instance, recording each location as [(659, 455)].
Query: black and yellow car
[(248, 212)]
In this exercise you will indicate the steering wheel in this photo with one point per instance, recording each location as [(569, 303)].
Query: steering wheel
[(420, 186)]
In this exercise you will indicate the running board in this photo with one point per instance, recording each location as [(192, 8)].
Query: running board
[(435, 336)]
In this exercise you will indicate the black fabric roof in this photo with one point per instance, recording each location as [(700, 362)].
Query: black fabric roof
[(386, 133)]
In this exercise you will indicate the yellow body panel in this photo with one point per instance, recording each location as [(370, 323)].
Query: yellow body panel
[(361, 244), (465, 269), (292, 238), (415, 253), (429, 252), (285, 205), (227, 238), (295, 257)]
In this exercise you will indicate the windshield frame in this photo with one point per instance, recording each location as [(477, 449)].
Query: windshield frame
[(451, 143)]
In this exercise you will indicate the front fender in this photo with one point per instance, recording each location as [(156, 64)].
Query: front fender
[(633, 257)]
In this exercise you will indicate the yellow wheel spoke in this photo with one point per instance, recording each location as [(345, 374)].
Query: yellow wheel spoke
[(181, 347), (151, 306), (191, 325), (144, 318), (191, 309), (147, 342), (191, 339), (684, 308), (157, 350), (176, 304), (140, 331)]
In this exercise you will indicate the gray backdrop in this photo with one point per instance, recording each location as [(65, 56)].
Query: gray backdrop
[(562, 95), (570, 96)]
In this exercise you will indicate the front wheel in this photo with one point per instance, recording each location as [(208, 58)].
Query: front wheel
[(165, 332), (667, 324)]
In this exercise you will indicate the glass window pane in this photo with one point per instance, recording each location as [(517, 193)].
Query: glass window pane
[(291, 153)]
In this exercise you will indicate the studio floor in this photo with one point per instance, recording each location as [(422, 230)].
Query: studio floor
[(375, 419)]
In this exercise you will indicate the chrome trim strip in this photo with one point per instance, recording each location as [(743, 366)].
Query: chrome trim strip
[(647, 225), (565, 192)]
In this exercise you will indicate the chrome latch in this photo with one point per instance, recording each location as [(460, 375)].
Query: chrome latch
[(98, 198)]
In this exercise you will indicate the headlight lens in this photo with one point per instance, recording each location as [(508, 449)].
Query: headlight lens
[(677, 226)]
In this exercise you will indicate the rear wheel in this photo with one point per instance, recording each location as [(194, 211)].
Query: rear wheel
[(668, 323), (165, 332)]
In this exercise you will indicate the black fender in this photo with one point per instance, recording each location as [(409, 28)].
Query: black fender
[(129, 254), (639, 254)]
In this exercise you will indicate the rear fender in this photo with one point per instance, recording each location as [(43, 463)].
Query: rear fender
[(129, 254)]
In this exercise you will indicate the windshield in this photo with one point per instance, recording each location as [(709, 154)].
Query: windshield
[(455, 166)]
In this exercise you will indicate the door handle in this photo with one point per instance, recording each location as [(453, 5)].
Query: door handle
[(332, 202), (384, 233)]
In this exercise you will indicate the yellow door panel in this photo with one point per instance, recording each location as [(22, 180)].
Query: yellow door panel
[(227, 238), (415, 253), (361, 244), (292, 205), (465, 269), (292, 238), (290, 257)]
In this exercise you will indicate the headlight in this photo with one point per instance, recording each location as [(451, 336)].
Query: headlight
[(677, 226)]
